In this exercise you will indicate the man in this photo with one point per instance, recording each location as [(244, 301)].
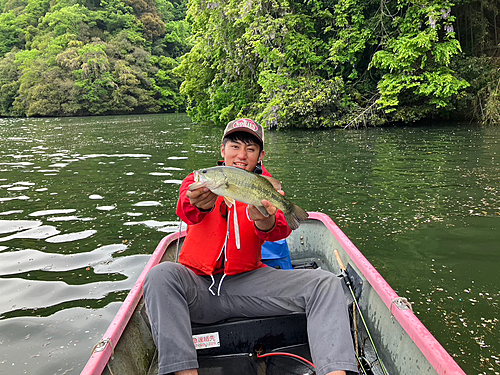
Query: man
[(216, 279)]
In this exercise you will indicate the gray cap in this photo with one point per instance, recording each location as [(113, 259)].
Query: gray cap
[(245, 125)]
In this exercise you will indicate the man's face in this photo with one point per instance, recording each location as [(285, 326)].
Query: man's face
[(241, 155)]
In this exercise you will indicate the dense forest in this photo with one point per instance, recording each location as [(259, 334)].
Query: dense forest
[(67, 57), (316, 63)]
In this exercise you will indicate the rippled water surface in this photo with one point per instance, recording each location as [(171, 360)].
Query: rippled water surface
[(84, 201)]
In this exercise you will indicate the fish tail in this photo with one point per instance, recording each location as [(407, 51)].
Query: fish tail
[(295, 216)]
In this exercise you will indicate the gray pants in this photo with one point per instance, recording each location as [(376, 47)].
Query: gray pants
[(175, 296)]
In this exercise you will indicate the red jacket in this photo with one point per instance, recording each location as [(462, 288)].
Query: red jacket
[(205, 249)]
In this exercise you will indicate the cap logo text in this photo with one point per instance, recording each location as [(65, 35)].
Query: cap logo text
[(245, 123)]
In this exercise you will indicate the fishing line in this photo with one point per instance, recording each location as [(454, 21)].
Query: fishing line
[(361, 364), (379, 360), (345, 277)]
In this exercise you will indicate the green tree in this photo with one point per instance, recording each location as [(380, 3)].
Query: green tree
[(320, 63), (10, 33), (9, 83), (34, 93), (417, 60), (166, 84), (94, 78), (90, 57)]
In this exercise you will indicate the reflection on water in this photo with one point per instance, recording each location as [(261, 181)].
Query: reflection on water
[(69, 252), (84, 201)]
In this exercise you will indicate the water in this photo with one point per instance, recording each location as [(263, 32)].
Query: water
[(84, 201)]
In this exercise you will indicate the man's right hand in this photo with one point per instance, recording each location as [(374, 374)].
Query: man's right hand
[(202, 198)]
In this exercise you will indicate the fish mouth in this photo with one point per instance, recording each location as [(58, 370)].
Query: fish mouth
[(200, 177), (199, 181)]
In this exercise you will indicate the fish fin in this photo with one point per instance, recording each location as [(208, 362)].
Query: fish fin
[(229, 201), (276, 183), (295, 216), (263, 210)]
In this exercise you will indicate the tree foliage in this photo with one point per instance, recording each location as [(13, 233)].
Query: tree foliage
[(322, 63), (287, 63), (76, 58), (417, 60), (477, 27)]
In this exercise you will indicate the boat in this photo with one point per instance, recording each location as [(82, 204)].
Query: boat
[(388, 337)]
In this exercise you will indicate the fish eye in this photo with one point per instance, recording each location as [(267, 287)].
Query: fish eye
[(204, 171)]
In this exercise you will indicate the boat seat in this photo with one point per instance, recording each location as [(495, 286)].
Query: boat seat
[(246, 335), (249, 335)]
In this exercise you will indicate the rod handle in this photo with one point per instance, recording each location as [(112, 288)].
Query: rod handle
[(339, 260)]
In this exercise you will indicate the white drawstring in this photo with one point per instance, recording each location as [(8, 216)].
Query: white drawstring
[(222, 251), (236, 229), (220, 284), (224, 247), (211, 285)]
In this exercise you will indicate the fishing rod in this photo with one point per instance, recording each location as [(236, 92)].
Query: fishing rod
[(347, 281)]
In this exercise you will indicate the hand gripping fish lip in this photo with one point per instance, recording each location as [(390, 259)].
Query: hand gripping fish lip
[(200, 181)]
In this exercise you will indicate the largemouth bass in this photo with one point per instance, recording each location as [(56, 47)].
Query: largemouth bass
[(236, 184)]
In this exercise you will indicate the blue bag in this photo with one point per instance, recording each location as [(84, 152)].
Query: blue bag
[(277, 255)]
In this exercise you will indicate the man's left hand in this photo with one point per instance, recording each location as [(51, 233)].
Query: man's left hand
[(262, 222)]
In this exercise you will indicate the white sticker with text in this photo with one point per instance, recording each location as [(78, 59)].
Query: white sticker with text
[(206, 340)]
